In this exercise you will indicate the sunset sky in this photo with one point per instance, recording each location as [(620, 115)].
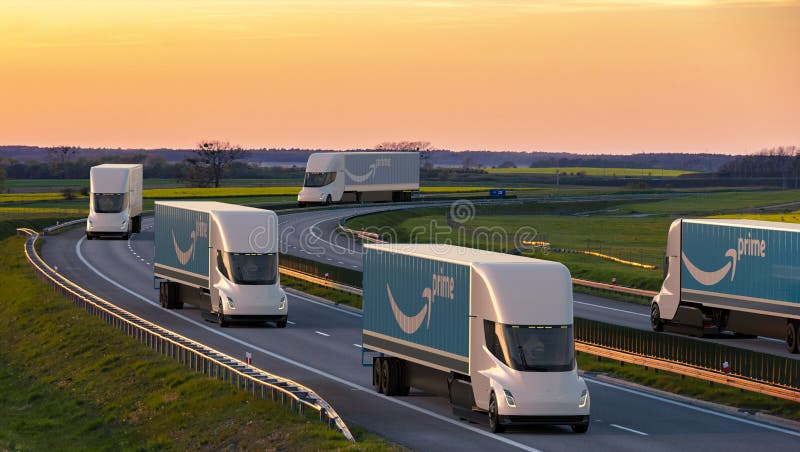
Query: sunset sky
[(618, 76)]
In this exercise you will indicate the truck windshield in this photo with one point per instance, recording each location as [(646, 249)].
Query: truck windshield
[(319, 179), (249, 268), (109, 202), (532, 348)]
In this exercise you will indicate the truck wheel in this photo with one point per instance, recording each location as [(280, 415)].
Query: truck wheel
[(221, 316), (301, 204), (387, 382), (791, 336), (282, 322), (582, 427), (328, 200), (376, 374), (89, 236), (655, 318), (494, 415), (399, 370)]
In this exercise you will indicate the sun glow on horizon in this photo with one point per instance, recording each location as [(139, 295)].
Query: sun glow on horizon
[(584, 76)]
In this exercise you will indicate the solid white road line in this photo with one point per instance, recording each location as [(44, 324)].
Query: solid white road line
[(357, 345), (290, 322), (322, 334), (306, 367), (629, 429), (694, 408), (610, 309)]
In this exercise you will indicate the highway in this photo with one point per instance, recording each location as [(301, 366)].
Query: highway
[(320, 348), (313, 235)]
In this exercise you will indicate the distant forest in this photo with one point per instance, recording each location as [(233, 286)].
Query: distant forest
[(434, 157), (780, 165)]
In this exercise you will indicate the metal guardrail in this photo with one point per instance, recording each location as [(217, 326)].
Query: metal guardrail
[(319, 280), (195, 355)]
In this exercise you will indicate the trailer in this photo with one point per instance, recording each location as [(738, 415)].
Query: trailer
[(359, 177), (741, 276), (115, 201), (222, 258), (492, 332)]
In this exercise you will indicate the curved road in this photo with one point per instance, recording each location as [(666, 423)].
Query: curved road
[(314, 235), (320, 348)]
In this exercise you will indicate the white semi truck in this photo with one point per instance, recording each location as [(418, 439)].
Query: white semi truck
[(359, 177), (222, 258), (115, 201), (493, 332), (731, 275)]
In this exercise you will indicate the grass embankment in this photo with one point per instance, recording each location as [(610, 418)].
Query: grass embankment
[(336, 296), (68, 381), (691, 387), (603, 172)]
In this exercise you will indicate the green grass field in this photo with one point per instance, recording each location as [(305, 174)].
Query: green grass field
[(716, 203), (70, 382), (594, 172)]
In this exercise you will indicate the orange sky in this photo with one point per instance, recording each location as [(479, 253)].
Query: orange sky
[(581, 76)]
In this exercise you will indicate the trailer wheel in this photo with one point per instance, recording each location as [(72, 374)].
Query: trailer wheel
[(494, 415), (583, 427), (655, 318), (221, 315), (388, 384), (376, 374), (400, 372), (791, 336)]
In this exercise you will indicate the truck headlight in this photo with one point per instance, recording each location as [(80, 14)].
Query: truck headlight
[(91, 223), (124, 224), (584, 398), (231, 303), (509, 398), (282, 305), (321, 196)]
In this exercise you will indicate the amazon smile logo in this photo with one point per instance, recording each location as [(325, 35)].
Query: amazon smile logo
[(442, 286), (745, 246), (364, 177), (184, 256)]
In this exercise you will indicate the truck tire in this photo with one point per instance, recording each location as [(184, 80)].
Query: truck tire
[(376, 374), (583, 427), (328, 200), (388, 383), (655, 318), (89, 236), (168, 295), (400, 371), (282, 322), (137, 224), (791, 336), (494, 415), (221, 315)]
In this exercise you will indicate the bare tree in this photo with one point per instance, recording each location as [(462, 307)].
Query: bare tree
[(211, 159), (404, 146), (58, 159)]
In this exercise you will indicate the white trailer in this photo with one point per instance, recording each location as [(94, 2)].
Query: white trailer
[(493, 332), (222, 258), (115, 201), (359, 177)]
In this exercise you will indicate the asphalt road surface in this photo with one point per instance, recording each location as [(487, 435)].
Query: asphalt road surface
[(321, 349)]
